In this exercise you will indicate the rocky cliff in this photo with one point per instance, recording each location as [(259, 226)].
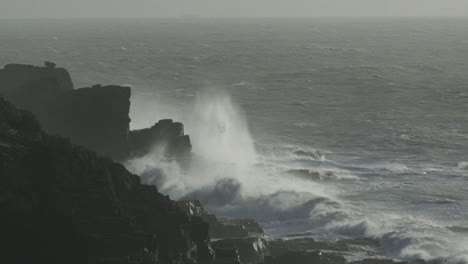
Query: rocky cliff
[(96, 117), (18, 76), (62, 203)]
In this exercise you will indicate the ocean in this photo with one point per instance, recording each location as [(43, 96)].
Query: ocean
[(378, 107)]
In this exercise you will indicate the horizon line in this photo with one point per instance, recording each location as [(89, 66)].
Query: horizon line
[(190, 16)]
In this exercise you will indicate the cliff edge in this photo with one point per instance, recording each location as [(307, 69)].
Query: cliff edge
[(96, 117), (62, 203)]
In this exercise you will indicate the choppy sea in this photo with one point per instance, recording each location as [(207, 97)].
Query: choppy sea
[(379, 107)]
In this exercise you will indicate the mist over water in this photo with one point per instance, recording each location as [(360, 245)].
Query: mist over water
[(232, 180), (377, 107), (218, 129)]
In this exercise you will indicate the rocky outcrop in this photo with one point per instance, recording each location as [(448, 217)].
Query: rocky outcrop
[(252, 250), (20, 76), (62, 203), (96, 117), (252, 227), (166, 134), (223, 228), (227, 256)]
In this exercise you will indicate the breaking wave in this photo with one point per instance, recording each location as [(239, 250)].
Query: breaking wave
[(232, 179)]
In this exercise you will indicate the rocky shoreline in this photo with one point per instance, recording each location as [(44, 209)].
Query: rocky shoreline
[(66, 198)]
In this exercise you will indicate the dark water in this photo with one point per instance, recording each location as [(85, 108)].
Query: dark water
[(378, 106)]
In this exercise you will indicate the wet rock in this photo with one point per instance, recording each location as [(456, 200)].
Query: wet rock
[(166, 134), (218, 228), (192, 207), (227, 256), (251, 250)]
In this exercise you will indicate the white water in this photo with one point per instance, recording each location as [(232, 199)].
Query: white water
[(218, 129), (383, 101), (232, 179)]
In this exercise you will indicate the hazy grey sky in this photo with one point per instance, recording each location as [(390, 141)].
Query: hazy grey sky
[(216, 8)]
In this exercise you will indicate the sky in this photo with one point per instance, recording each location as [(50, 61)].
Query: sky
[(228, 8)]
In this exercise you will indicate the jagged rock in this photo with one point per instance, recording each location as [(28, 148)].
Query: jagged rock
[(227, 256), (192, 207), (250, 225), (251, 250), (219, 230), (304, 174), (49, 65), (222, 228), (61, 203), (166, 134), (96, 117), (19, 76), (306, 257)]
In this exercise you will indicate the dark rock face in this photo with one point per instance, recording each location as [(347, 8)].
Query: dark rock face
[(18, 76), (219, 230), (227, 256), (251, 250), (96, 117), (222, 228), (165, 133), (64, 204), (191, 207)]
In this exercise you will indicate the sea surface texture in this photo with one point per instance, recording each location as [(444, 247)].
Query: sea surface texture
[(378, 107)]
